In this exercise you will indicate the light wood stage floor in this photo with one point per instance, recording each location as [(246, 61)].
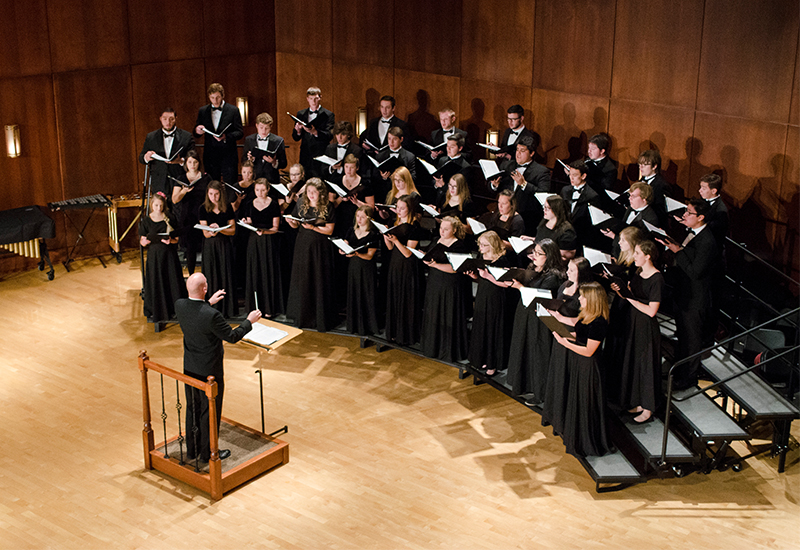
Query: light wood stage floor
[(388, 451)]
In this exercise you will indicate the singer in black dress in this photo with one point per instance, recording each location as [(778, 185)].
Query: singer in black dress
[(531, 340), (506, 221), (362, 315), (404, 281), (493, 315), (164, 278), (188, 194), (579, 273), (311, 290), (444, 321), (264, 287), (556, 227), (640, 388), (585, 432), (217, 247)]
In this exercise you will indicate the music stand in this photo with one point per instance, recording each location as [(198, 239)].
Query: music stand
[(291, 332)]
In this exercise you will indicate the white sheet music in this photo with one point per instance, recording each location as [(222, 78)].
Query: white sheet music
[(263, 335), (476, 226)]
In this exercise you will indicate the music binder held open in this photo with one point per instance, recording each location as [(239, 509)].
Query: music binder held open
[(163, 159), (219, 135)]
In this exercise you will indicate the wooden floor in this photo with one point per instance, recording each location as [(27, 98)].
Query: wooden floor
[(388, 451)]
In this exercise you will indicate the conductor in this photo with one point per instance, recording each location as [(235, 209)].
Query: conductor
[(204, 328)]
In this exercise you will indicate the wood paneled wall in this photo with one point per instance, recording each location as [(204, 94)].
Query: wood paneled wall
[(712, 84)]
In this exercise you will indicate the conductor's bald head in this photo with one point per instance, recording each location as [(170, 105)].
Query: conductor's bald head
[(196, 285)]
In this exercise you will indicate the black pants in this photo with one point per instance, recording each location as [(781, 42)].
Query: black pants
[(197, 416), (690, 325)]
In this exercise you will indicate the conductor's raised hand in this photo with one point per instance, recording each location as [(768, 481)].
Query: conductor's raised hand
[(254, 316), (217, 296)]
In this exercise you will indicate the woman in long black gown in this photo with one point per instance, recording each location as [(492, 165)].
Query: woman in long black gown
[(556, 227), (163, 276), (618, 329), (585, 432), (264, 286), (640, 390), (579, 273), (457, 201), (529, 358), (362, 316), (217, 247), (444, 321), (288, 236), (188, 194), (404, 280), (346, 207), (311, 290), (506, 221), (493, 315)]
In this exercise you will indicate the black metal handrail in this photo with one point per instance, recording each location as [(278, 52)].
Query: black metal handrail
[(744, 249), (685, 360)]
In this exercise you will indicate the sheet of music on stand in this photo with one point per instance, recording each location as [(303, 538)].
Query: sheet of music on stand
[(264, 336)]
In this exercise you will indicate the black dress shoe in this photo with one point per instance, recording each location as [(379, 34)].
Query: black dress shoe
[(224, 453)]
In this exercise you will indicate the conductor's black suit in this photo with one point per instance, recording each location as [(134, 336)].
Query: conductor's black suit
[(204, 328)]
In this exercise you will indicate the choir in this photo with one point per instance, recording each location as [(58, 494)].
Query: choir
[(557, 289)]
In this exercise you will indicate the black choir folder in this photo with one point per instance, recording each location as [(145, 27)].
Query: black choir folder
[(553, 324), (389, 165)]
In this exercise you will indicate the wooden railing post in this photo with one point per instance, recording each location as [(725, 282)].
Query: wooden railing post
[(214, 463), (148, 441)]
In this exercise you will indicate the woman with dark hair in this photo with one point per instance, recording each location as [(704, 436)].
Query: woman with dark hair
[(506, 221), (296, 184), (404, 280), (163, 282), (362, 317), (264, 286), (579, 272), (584, 427), (531, 340), (217, 248), (444, 322), (188, 193), (311, 291), (556, 227), (494, 309), (346, 207), (640, 390)]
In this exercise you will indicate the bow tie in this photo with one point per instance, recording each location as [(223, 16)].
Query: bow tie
[(166, 135), (342, 146), (523, 165), (259, 138), (576, 192), (313, 112), (386, 121), (216, 108), (514, 133)]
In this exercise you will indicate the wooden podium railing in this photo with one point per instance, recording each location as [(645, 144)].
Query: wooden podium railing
[(215, 482)]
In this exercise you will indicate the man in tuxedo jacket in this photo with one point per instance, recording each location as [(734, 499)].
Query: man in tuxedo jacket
[(525, 177), (340, 148), (395, 149), (447, 119), (315, 136), (578, 196), (167, 142), (516, 130), (204, 329), (602, 170), (650, 173), (717, 218), (266, 151), (220, 157), (638, 212), (696, 261), (377, 132), (454, 154)]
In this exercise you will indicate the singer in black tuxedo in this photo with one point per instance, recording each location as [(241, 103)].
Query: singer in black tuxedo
[(261, 148), (180, 142), (535, 177), (578, 196), (696, 263), (220, 157), (387, 120), (204, 329), (315, 138)]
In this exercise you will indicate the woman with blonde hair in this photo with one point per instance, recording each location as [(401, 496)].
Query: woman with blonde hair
[(362, 318), (444, 322), (311, 302), (493, 314), (163, 282), (583, 418)]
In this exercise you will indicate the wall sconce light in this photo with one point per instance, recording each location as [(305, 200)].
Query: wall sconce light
[(361, 120), (241, 104), (13, 143), (491, 139)]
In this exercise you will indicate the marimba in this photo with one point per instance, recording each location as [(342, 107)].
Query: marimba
[(23, 231)]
